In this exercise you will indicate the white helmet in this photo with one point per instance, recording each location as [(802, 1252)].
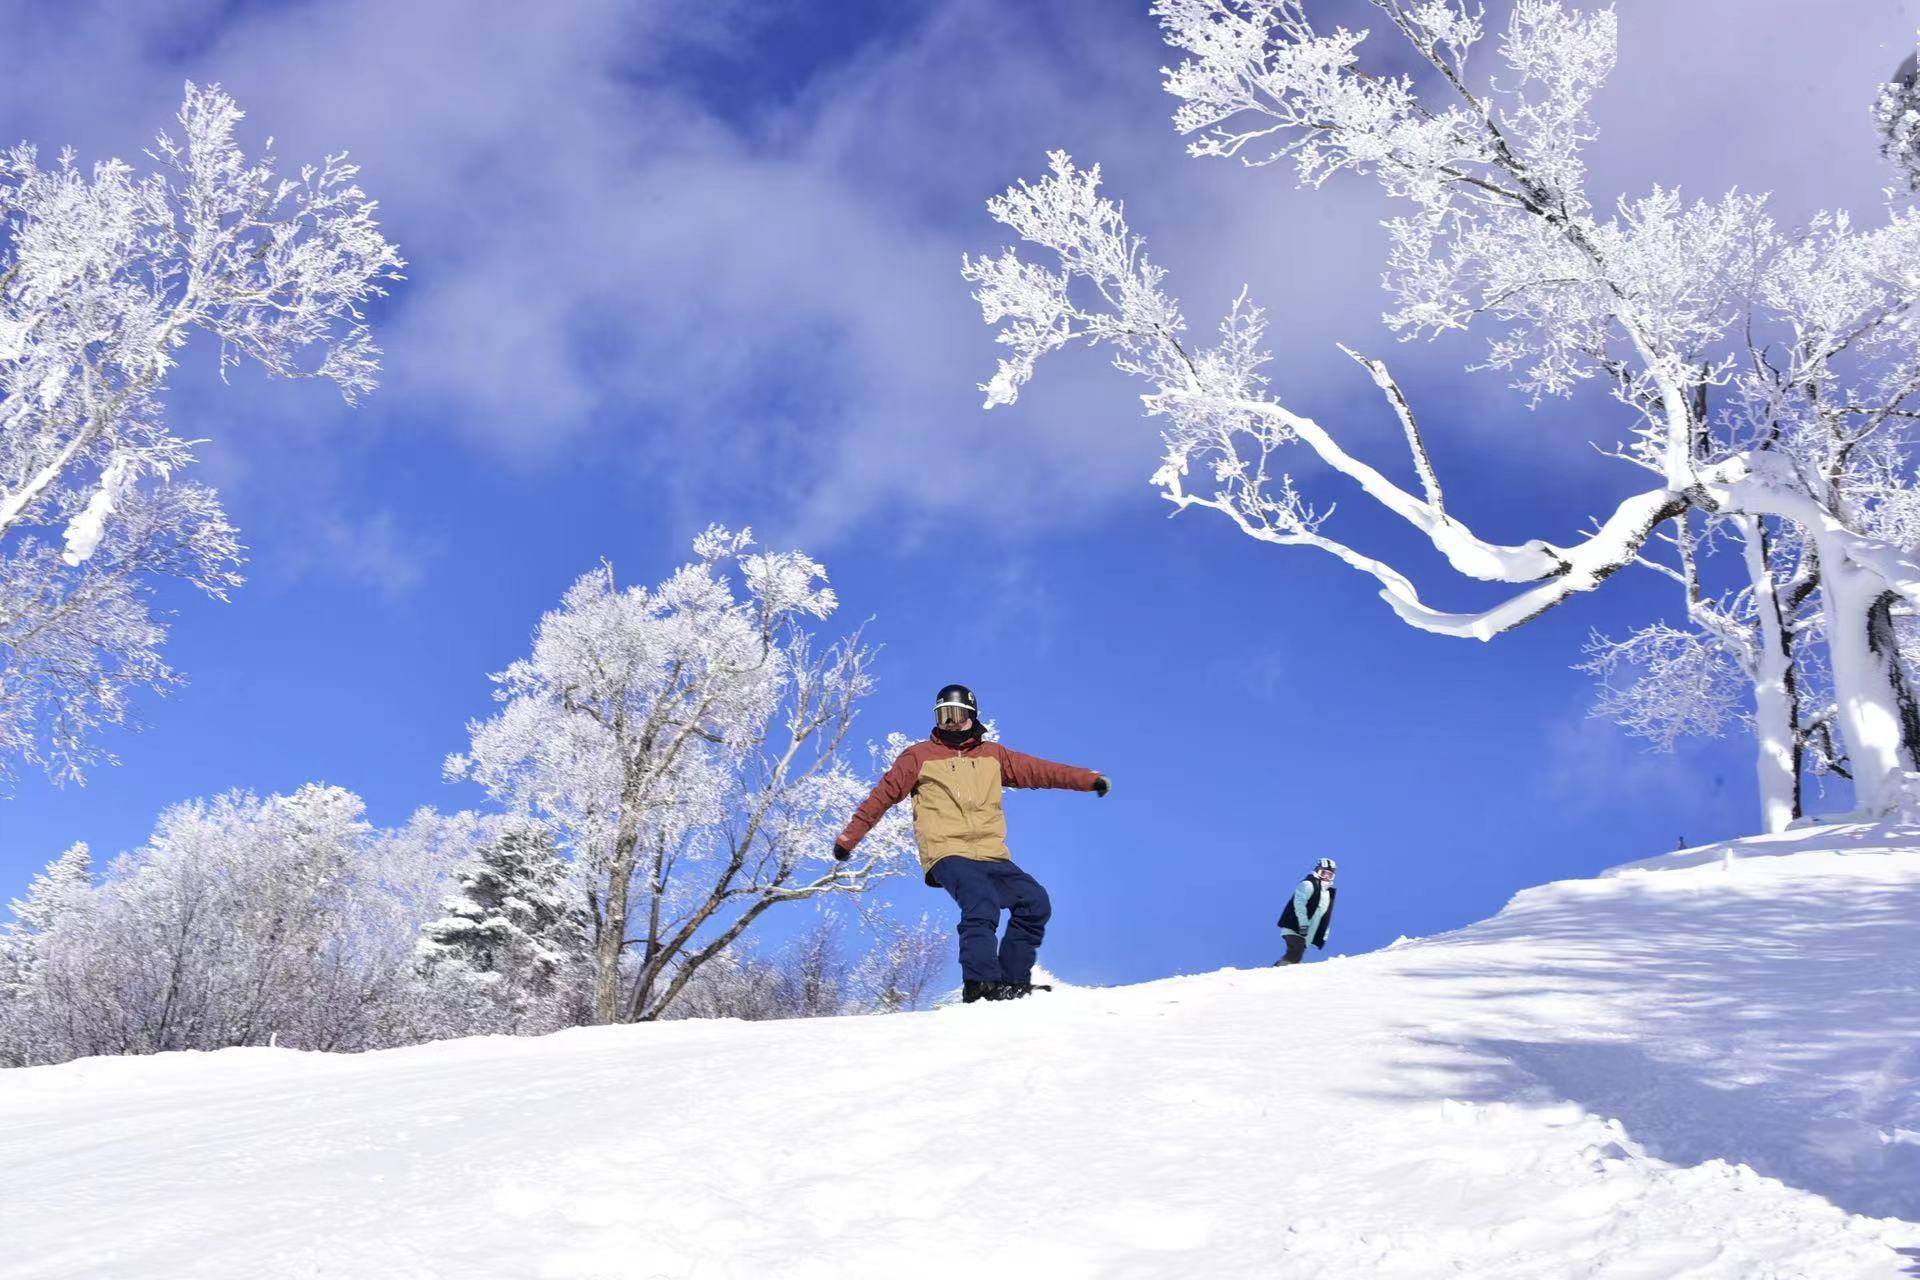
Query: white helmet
[(1325, 864)]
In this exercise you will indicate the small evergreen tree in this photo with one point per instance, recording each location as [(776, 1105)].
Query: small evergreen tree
[(512, 928), (60, 895), (64, 887)]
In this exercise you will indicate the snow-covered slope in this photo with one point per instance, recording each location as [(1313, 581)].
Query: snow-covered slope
[(1699, 1066)]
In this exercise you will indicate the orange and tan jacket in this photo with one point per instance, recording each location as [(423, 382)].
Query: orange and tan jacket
[(956, 796)]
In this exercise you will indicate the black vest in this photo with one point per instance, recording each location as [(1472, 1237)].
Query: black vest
[(1289, 919)]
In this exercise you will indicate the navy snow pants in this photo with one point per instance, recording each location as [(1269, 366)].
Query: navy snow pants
[(985, 889)]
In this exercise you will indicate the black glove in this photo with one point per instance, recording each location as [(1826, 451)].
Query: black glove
[(840, 854), (1101, 786)]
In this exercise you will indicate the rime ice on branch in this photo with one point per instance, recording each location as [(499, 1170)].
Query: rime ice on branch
[(104, 274), (1766, 381)]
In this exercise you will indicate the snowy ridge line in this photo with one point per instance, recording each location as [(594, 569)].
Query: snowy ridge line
[(1831, 837), (1681, 1074)]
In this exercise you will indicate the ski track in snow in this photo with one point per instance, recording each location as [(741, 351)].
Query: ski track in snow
[(1694, 1067)]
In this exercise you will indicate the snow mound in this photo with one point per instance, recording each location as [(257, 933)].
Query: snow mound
[(1698, 1066)]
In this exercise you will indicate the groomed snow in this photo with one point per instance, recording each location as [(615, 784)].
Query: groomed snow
[(1675, 1070)]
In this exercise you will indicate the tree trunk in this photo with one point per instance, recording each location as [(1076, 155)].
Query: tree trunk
[(694, 962), (613, 921), (1778, 760), (1874, 705), (650, 962), (1885, 641)]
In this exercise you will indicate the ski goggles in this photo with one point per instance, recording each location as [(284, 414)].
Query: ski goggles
[(951, 715)]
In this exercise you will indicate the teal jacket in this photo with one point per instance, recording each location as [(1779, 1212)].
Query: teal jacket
[(1309, 912)]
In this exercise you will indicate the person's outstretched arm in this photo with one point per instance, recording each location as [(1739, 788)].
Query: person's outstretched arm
[(895, 785), (1020, 770)]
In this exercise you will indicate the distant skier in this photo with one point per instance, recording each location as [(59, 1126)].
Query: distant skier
[(1309, 912), (955, 778)]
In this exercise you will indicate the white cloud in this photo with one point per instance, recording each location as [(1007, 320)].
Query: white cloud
[(768, 314), (375, 550)]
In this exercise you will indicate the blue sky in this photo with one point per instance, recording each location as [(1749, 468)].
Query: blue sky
[(686, 262)]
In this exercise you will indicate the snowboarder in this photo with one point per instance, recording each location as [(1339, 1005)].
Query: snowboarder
[(1309, 912), (955, 778)]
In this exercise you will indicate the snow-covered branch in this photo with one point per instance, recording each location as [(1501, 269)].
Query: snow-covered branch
[(104, 273), (1223, 421), (1772, 378), (1663, 684)]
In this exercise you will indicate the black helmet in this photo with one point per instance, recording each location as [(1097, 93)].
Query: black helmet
[(956, 696)]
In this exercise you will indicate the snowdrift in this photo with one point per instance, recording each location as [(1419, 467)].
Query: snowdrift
[(1703, 1065)]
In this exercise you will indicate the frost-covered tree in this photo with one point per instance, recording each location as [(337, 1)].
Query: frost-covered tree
[(683, 743), (51, 926), (399, 879), (738, 982), (291, 920), (901, 969), (812, 976), (62, 892), (230, 922), (1768, 379), (1896, 111), (242, 921), (815, 979), (1749, 656), (104, 275), (514, 929)]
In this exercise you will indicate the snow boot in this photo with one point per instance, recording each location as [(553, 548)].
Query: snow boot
[(971, 990)]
